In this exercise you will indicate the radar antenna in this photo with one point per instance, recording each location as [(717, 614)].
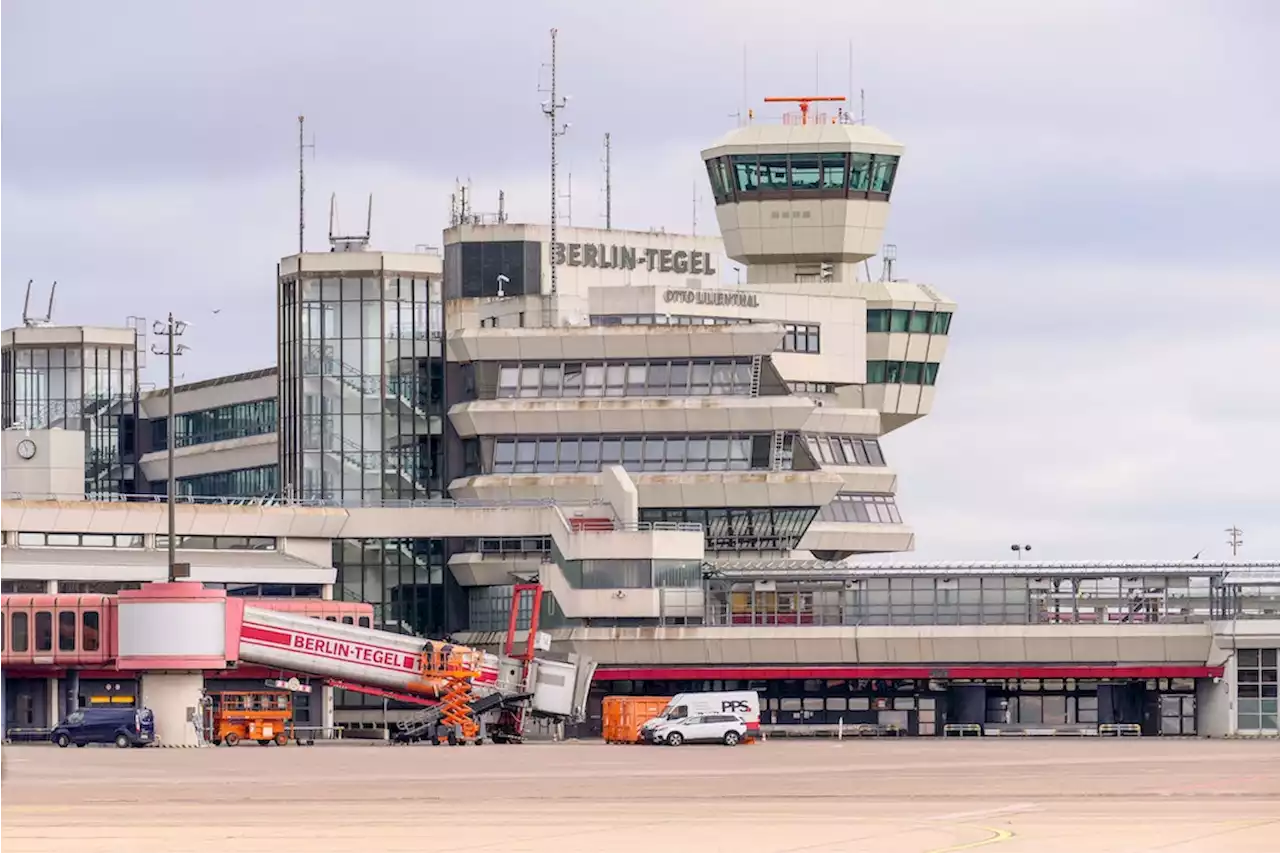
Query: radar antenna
[(804, 107)]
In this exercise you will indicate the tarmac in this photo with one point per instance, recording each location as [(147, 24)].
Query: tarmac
[(889, 796)]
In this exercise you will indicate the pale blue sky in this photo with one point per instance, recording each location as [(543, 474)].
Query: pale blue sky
[(1093, 182)]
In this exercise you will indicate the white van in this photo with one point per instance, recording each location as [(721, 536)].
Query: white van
[(744, 703)]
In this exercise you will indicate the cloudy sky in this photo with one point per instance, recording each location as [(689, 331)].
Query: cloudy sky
[(1094, 182)]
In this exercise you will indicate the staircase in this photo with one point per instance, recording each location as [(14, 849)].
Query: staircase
[(757, 365), (778, 452)]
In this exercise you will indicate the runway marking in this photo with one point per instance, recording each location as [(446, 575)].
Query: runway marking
[(997, 835), (956, 817)]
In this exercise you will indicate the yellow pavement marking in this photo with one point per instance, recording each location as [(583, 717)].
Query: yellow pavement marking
[(996, 837)]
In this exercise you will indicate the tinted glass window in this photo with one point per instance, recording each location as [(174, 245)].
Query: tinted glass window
[(66, 631), (18, 632), (89, 632), (44, 631)]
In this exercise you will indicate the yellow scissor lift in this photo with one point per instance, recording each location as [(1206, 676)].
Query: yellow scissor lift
[(453, 669)]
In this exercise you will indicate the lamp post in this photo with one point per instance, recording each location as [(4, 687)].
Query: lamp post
[(1018, 549), (170, 329)]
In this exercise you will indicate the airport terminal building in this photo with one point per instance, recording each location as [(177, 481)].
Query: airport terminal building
[(680, 438)]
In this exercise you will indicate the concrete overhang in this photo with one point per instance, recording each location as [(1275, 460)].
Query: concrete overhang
[(599, 343), (842, 421), (857, 537), (595, 416), (491, 569), (120, 564), (249, 452), (685, 489)]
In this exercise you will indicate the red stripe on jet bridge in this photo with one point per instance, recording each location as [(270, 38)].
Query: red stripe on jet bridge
[(329, 648)]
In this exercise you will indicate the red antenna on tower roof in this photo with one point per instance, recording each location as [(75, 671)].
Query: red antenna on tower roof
[(804, 103)]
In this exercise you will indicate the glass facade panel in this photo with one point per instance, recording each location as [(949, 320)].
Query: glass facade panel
[(623, 379), (404, 579), (89, 388), (843, 449), (361, 406), (905, 372), (588, 454), (866, 509), (238, 483), (219, 424), (741, 529)]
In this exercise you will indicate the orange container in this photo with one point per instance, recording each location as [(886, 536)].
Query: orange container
[(624, 715)]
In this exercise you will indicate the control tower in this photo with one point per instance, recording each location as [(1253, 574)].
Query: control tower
[(807, 197)]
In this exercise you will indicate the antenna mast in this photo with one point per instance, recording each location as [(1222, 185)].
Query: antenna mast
[(608, 187), (551, 108), (302, 180)]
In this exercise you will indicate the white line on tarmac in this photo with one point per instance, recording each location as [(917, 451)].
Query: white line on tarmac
[(984, 813)]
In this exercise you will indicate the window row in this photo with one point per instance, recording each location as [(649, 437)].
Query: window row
[(811, 387), (219, 543), (682, 378), (80, 540), (742, 177), (588, 454), (633, 573), (904, 372), (874, 509), (19, 637), (797, 337), (844, 449), (664, 320), (238, 420), (801, 337), (902, 320), (508, 545), (237, 483), (740, 528)]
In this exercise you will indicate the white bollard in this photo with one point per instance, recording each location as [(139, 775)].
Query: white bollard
[(840, 730)]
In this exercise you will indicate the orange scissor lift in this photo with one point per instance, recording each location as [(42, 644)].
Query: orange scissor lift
[(452, 668)]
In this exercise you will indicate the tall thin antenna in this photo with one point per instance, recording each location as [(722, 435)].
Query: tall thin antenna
[(568, 200), (302, 181), (849, 91), (551, 108), (47, 319), (1236, 539), (368, 222), (745, 108), (608, 186), (862, 106), (502, 206), (696, 199)]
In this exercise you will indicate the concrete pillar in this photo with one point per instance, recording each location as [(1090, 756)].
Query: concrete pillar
[(326, 707), (170, 696), (1216, 702), (72, 691), (326, 592), (52, 705), (617, 487), (50, 587)]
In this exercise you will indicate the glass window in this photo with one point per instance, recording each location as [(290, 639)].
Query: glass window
[(874, 456), (569, 448), (66, 631), (877, 320), (883, 173), (716, 186), (44, 631), (912, 372), (892, 372), (573, 379), (594, 380), (654, 453), (551, 380), (898, 320), (833, 177), (18, 632), (504, 455), (696, 452), (941, 324), (930, 373), (920, 322), (546, 455), (614, 379), (610, 451), (859, 172), (875, 372), (658, 376), (805, 171), (746, 172), (90, 630), (589, 454), (679, 377), (526, 452), (773, 172)]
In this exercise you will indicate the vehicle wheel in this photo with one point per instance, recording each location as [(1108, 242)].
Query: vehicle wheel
[(282, 739), (731, 738), (453, 738), (675, 739), (231, 739), (123, 742), (64, 741), (81, 745), (266, 742)]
